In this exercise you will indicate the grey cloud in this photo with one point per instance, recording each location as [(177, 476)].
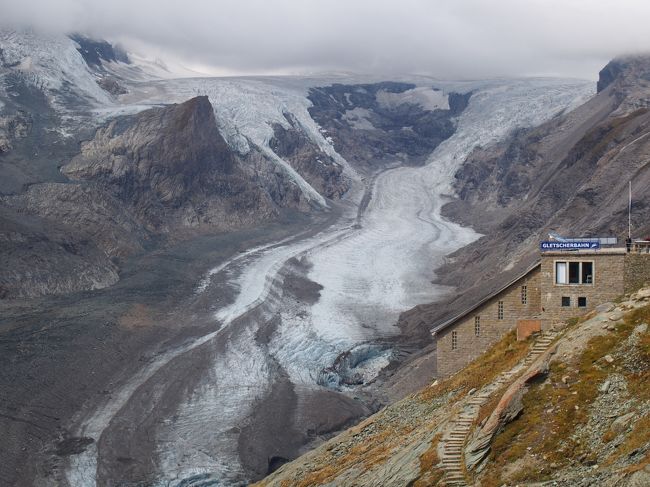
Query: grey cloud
[(443, 38)]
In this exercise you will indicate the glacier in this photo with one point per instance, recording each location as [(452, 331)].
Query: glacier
[(372, 264), (371, 268)]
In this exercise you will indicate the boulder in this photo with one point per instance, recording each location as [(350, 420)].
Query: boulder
[(621, 424)]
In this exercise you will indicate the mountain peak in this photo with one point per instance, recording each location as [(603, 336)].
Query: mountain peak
[(632, 66)]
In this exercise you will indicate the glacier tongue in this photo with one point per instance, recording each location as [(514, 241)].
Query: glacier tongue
[(369, 274), (387, 266)]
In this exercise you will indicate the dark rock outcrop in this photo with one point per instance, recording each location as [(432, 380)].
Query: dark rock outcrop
[(319, 169), (371, 128), (95, 51), (13, 127), (112, 86), (608, 74)]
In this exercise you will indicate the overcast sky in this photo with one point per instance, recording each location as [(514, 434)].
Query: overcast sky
[(443, 38)]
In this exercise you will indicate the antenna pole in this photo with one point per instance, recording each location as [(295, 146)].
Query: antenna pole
[(629, 212)]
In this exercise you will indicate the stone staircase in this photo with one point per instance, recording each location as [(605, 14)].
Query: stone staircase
[(455, 438), (540, 346)]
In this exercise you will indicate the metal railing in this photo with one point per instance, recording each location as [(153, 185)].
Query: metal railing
[(640, 246)]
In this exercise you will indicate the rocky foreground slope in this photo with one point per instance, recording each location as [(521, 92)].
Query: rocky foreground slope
[(569, 408)]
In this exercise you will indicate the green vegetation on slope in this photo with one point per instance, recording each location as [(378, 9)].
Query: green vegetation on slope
[(544, 439)]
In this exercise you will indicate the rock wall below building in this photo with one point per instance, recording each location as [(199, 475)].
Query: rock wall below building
[(637, 271)]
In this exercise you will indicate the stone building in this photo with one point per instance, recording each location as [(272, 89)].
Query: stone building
[(562, 285), (466, 336)]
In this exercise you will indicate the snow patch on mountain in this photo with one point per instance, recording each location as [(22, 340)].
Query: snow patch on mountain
[(424, 96), (51, 63)]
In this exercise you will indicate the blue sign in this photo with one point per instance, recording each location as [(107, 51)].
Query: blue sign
[(587, 245)]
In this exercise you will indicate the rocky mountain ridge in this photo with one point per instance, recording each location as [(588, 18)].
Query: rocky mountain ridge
[(158, 173)]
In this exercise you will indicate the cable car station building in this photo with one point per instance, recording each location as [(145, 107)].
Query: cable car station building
[(569, 279)]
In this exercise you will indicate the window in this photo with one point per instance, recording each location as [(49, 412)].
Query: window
[(566, 301), (454, 340), (574, 273), (524, 294), (587, 272), (560, 273), (477, 326), (582, 302), (500, 310)]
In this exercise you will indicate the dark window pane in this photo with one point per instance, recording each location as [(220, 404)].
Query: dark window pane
[(582, 302), (566, 301), (574, 272), (587, 272)]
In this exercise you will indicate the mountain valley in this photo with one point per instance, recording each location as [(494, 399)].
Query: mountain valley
[(204, 278)]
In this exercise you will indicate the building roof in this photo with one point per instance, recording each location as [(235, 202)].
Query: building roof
[(605, 251), (464, 313)]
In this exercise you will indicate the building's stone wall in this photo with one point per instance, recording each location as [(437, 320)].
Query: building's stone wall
[(637, 271), (608, 284), (492, 329)]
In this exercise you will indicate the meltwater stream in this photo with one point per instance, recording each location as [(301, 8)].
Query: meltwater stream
[(370, 270)]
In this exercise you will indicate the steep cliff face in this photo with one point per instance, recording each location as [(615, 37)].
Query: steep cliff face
[(39, 256), (608, 74), (317, 167), (88, 212)]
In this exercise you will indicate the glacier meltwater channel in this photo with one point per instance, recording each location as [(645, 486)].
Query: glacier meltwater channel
[(371, 269)]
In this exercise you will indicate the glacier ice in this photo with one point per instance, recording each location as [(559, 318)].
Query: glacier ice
[(371, 269)]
